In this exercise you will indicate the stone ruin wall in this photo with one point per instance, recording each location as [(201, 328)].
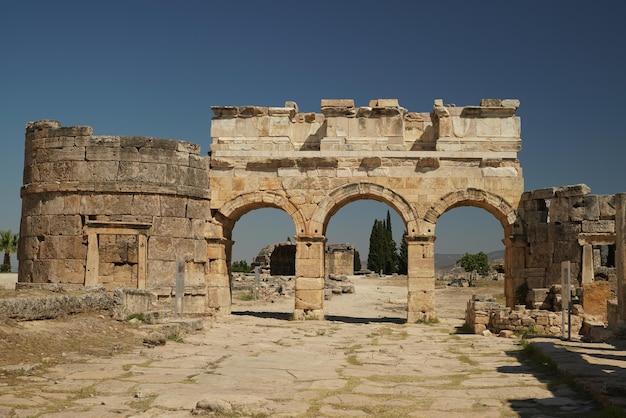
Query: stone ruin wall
[(339, 259), (120, 211), (564, 224), (90, 204), (421, 164)]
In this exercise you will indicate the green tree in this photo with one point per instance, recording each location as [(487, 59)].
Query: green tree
[(240, 266), (375, 258), (8, 245), (357, 260), (475, 264), (403, 257), (383, 255), (391, 252)]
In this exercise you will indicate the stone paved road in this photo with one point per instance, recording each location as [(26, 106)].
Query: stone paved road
[(256, 363)]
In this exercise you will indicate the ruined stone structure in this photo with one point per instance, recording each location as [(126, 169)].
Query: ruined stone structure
[(114, 211), (339, 259), (120, 211), (279, 258)]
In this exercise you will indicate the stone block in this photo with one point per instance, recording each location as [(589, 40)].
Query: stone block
[(421, 301), (60, 247), (598, 226), (337, 103), (309, 283), (161, 248), (559, 210), (592, 207), (218, 297), (184, 249), (223, 127), (510, 103), (606, 205), (547, 193), (173, 206), (309, 299), (280, 126), (101, 171), (142, 172), (490, 102), (143, 204), (171, 227), (574, 190), (595, 297)]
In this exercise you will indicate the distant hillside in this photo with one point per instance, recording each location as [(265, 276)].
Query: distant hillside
[(445, 261)]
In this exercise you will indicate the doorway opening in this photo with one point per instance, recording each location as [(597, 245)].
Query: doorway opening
[(475, 232)]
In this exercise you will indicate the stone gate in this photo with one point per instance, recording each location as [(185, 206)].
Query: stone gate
[(121, 211)]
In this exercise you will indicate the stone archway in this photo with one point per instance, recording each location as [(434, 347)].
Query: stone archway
[(506, 214), (306, 164), (218, 234), (342, 195), (234, 209)]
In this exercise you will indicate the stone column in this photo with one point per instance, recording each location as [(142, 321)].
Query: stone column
[(217, 278), (587, 267), (93, 259), (620, 256), (421, 278), (309, 298)]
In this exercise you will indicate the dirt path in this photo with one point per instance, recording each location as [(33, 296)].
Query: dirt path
[(362, 362)]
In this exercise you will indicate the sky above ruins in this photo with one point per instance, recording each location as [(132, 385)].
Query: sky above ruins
[(154, 68)]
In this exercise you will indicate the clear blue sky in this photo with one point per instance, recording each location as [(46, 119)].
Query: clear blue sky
[(154, 68)]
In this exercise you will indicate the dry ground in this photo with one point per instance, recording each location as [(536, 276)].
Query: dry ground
[(53, 341), (359, 362)]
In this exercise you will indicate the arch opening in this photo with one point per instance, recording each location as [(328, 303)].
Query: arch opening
[(364, 296), (272, 250), (467, 229)]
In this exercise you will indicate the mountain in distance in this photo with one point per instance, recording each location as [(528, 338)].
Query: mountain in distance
[(446, 261)]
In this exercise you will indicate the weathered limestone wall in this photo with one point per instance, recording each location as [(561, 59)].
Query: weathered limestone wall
[(563, 224), (421, 164), (112, 210)]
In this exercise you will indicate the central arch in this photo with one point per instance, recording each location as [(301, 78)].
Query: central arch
[(342, 195)]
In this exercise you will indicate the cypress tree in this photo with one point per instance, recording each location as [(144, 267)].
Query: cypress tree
[(391, 257), (383, 255), (375, 261), (357, 260), (403, 258)]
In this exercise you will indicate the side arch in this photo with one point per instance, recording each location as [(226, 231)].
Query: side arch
[(502, 210), (234, 209), (341, 196), (492, 203)]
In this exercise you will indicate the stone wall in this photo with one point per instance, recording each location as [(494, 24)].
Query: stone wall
[(484, 313), (568, 224), (558, 223), (116, 211)]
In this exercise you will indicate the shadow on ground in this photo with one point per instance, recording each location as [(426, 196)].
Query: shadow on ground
[(288, 316)]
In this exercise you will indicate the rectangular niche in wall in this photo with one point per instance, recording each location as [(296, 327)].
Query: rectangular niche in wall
[(117, 254)]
